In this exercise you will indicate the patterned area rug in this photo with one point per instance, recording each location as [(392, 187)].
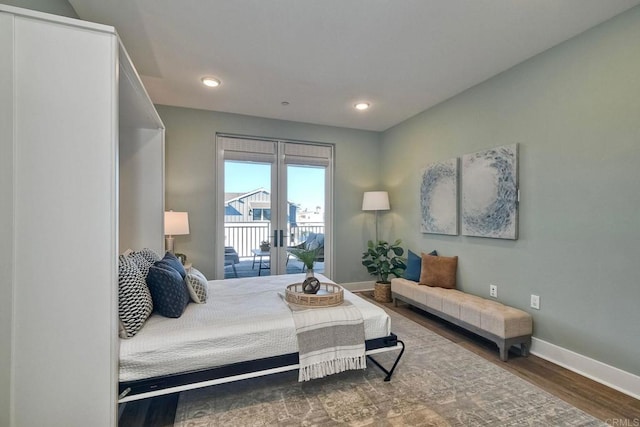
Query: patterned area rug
[(437, 383)]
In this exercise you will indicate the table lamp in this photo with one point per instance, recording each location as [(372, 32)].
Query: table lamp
[(175, 224)]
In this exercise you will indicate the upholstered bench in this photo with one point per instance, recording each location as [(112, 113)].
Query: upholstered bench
[(504, 325)]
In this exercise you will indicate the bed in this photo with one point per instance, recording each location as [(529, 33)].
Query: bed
[(244, 330)]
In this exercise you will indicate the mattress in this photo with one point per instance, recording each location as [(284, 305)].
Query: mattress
[(243, 319)]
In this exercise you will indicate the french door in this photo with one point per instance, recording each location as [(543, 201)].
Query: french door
[(273, 192)]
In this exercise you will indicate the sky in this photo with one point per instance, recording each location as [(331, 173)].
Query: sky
[(305, 184)]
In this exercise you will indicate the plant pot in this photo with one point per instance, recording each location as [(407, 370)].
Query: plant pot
[(382, 292)]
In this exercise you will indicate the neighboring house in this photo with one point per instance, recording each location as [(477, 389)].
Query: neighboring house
[(254, 206)]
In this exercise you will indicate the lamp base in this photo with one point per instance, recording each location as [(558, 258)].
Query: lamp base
[(169, 243)]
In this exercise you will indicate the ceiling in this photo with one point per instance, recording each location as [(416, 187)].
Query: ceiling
[(401, 56)]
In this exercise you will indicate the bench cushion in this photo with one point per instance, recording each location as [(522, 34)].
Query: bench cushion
[(491, 316), (506, 322)]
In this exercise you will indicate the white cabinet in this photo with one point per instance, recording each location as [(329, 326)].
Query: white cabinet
[(82, 176)]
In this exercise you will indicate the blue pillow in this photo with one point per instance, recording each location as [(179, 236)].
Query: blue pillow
[(414, 265), (171, 261), (168, 290)]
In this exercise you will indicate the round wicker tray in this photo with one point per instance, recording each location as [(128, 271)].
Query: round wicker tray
[(329, 295)]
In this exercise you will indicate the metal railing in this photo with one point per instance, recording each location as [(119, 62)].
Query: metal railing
[(245, 236)]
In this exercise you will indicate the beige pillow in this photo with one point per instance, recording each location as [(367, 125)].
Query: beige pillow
[(439, 271)]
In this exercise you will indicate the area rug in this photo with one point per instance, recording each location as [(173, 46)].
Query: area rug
[(437, 383)]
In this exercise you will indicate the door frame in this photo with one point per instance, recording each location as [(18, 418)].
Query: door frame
[(278, 186)]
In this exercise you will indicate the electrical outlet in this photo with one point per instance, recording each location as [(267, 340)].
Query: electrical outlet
[(493, 291), (535, 302)]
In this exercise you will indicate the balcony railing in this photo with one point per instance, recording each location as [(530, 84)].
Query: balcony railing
[(245, 236)]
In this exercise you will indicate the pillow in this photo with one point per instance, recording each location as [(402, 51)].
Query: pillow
[(439, 271), (134, 299), (149, 255), (171, 261), (414, 265), (197, 286), (168, 290), (141, 261)]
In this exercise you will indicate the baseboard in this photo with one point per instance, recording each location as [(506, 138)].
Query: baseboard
[(358, 286), (610, 376)]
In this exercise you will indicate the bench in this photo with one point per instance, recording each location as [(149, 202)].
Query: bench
[(504, 325)]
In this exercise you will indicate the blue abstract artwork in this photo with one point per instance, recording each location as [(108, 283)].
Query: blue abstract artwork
[(490, 193), (439, 198)]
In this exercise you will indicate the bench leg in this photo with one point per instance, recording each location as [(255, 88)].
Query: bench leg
[(504, 351), (504, 346), (525, 347)]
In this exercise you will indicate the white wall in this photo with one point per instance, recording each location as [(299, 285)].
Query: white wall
[(6, 216), (141, 169), (575, 111)]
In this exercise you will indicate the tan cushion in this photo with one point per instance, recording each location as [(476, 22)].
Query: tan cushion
[(404, 287), (439, 271), (506, 322), (435, 296), (471, 310), (451, 304)]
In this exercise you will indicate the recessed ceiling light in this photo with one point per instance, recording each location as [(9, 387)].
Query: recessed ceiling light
[(362, 106), (285, 103), (210, 81)]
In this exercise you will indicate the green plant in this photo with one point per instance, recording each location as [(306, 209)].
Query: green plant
[(307, 256), (265, 245), (383, 259)]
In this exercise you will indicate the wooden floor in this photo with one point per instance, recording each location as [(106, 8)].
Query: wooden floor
[(604, 403)]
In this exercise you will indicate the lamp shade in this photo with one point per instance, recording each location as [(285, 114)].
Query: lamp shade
[(176, 223), (375, 201)]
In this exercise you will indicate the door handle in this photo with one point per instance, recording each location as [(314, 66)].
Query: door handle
[(275, 238), (281, 238)]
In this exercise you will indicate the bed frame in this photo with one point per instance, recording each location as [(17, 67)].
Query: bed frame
[(158, 386)]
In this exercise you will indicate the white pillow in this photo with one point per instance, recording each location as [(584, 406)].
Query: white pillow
[(197, 285)]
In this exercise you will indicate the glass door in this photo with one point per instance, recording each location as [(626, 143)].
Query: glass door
[(305, 225), (272, 196), (247, 216)]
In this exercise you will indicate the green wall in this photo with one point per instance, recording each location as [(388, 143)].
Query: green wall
[(57, 7), (191, 179), (575, 111)]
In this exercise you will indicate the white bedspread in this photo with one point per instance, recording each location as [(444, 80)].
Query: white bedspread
[(243, 319)]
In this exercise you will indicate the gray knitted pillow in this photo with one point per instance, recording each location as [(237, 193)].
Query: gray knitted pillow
[(134, 299)]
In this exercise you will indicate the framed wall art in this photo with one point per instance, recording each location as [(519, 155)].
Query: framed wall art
[(490, 193), (439, 198)]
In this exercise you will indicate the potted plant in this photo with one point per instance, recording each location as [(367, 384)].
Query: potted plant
[(383, 259), (311, 285), (265, 246), (306, 256)]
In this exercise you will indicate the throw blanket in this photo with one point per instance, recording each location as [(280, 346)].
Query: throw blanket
[(330, 340)]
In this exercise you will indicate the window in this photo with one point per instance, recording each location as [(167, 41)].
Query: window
[(260, 214)]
